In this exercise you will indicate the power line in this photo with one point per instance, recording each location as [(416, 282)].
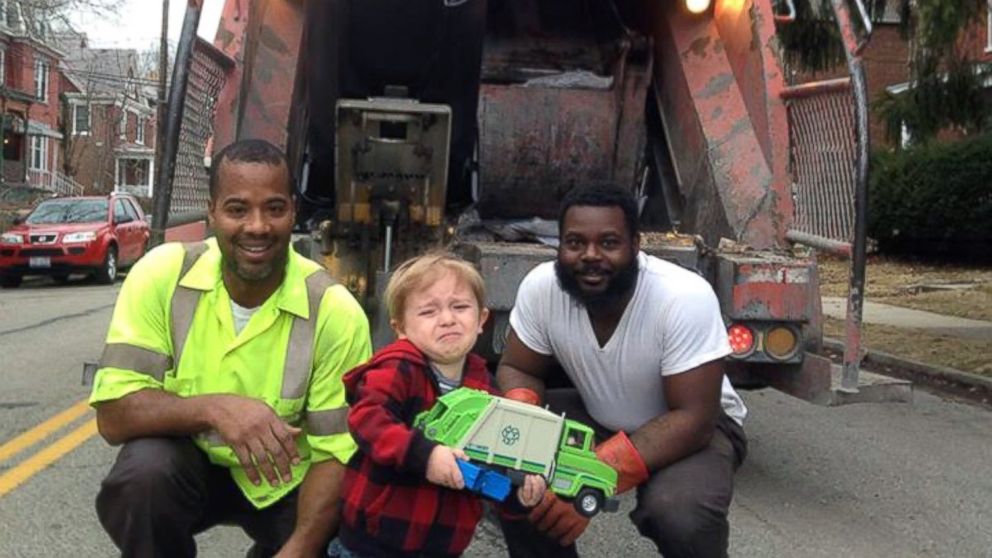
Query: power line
[(113, 79), (105, 77)]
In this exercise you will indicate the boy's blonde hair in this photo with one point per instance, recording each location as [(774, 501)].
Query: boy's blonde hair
[(423, 270)]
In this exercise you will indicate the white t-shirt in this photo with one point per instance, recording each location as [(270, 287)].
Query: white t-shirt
[(241, 316), (672, 324)]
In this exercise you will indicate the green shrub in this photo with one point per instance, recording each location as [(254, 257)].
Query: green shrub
[(934, 200)]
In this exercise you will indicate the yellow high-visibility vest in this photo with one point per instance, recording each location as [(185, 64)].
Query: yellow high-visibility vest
[(173, 329)]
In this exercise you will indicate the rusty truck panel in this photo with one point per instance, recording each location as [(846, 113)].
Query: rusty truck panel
[(765, 287), (265, 38), (541, 136), (719, 103)]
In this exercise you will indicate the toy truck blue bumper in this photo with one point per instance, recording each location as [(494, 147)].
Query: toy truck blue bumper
[(490, 484)]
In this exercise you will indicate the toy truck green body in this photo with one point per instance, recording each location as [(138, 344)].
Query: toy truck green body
[(515, 437)]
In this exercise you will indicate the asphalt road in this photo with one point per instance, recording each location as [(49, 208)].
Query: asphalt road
[(862, 480)]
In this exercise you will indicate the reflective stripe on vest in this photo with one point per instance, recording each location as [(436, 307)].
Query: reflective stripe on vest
[(184, 301), (155, 364), (318, 423), (299, 353), (325, 423), (138, 359)]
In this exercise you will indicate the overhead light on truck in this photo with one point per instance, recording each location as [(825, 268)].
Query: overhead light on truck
[(697, 6)]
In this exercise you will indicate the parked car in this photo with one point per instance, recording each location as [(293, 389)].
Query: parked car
[(95, 235), (17, 201)]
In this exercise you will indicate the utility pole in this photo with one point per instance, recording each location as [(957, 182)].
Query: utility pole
[(163, 69)]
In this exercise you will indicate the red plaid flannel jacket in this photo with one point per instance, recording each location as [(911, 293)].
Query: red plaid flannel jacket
[(389, 507)]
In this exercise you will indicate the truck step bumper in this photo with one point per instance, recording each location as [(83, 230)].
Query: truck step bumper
[(817, 380)]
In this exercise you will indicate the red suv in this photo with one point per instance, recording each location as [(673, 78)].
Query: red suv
[(96, 235)]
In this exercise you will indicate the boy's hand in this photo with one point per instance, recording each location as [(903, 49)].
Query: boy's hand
[(532, 491), (442, 469)]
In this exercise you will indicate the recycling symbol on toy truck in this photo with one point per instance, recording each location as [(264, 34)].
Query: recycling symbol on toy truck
[(510, 435)]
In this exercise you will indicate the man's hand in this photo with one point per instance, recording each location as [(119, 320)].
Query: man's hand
[(442, 469), (619, 452), (257, 435), (532, 491), (558, 519)]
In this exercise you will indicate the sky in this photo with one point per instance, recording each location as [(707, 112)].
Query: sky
[(139, 23)]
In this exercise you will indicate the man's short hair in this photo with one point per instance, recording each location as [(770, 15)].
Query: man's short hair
[(247, 151), (416, 273), (601, 195)]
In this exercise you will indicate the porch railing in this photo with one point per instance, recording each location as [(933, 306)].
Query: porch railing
[(54, 181)]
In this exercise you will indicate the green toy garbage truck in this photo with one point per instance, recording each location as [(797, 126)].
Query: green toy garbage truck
[(517, 438)]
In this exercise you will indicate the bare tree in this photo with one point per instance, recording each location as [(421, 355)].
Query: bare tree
[(38, 11)]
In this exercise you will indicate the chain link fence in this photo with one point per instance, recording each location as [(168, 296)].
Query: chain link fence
[(823, 148), (206, 78)]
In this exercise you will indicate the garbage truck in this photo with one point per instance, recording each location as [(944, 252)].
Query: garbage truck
[(412, 124), (519, 438)]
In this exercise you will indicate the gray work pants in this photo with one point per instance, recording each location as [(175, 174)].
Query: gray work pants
[(163, 491), (681, 508)]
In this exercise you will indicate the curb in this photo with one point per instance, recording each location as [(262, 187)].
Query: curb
[(938, 374)]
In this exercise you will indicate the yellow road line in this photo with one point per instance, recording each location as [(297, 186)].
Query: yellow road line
[(43, 430), (48, 455)]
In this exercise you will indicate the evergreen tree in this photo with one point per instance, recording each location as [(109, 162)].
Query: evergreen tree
[(946, 83)]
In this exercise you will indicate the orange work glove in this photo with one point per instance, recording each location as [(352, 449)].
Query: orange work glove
[(558, 519), (524, 395), (619, 452)]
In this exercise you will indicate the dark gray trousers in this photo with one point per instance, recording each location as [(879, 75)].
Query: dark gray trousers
[(163, 491), (682, 508)]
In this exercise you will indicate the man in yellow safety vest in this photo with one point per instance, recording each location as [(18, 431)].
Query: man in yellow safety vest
[(222, 378)]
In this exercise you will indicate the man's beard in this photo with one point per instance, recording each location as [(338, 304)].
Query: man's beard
[(257, 273), (621, 282)]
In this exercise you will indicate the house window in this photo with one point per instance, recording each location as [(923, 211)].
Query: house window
[(122, 126), (3, 66), (988, 27), (41, 69), (39, 153), (905, 136), (81, 119), (139, 133)]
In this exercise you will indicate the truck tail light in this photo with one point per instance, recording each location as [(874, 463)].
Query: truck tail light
[(781, 342), (741, 340)]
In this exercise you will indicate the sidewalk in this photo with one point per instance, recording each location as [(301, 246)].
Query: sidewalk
[(937, 324)]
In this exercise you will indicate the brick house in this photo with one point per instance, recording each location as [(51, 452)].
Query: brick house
[(976, 42), (29, 102), (887, 61), (109, 118)]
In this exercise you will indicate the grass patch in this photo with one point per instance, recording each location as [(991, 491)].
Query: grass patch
[(961, 354), (890, 281)]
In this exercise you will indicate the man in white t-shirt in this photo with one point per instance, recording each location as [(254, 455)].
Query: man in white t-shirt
[(643, 342)]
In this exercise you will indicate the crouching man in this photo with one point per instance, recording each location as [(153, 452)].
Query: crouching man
[(222, 378), (643, 341)]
